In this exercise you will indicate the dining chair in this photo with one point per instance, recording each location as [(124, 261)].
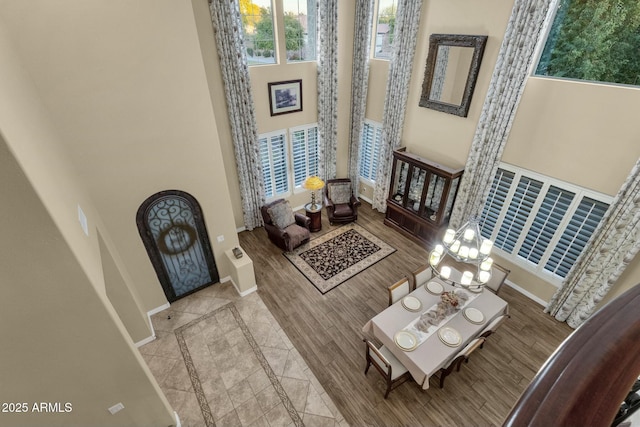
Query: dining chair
[(492, 326), (399, 290), (462, 356), (421, 276), (498, 276), (386, 363)]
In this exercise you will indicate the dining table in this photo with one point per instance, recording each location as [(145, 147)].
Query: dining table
[(434, 348)]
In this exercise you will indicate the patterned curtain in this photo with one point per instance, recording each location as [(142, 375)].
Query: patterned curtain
[(327, 87), (499, 109), (359, 84), (227, 27), (611, 248), (403, 50)]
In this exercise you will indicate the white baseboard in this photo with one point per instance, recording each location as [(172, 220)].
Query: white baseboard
[(242, 294), (178, 423), (241, 229), (153, 332), (366, 199), (526, 293)]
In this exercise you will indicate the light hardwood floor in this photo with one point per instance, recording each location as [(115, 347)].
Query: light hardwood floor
[(327, 331)]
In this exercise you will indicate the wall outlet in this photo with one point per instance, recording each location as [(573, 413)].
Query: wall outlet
[(220, 238), (116, 408)]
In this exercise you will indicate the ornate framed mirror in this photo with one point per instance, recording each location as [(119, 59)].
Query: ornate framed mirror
[(452, 69)]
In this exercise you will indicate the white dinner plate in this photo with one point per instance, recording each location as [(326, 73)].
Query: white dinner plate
[(475, 288), (450, 336), (434, 288), (411, 303), (473, 315), (406, 340)]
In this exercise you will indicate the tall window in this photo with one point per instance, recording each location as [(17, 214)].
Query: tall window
[(304, 150), (286, 163), (540, 223), (370, 150), (257, 20), (385, 27), (595, 40), (273, 154), (300, 30)]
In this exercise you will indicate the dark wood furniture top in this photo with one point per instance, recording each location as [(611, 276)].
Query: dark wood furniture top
[(316, 217), (590, 374)]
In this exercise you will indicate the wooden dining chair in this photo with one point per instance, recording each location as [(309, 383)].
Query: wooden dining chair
[(421, 276), (498, 276), (462, 356), (386, 363), (492, 326), (399, 290)]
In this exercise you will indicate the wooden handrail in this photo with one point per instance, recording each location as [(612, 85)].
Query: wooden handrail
[(586, 379)]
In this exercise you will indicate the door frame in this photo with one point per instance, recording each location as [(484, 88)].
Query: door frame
[(152, 248)]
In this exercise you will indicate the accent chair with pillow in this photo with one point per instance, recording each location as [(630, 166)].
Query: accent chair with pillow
[(342, 205), (286, 229)]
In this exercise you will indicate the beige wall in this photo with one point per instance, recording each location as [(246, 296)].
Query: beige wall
[(577, 132), (67, 344), (128, 94)]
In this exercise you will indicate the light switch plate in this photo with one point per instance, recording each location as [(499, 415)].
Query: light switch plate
[(116, 408)]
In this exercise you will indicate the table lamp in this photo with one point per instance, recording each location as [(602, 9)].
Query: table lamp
[(313, 183)]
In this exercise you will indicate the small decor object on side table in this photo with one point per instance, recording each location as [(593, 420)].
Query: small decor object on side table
[(237, 252), (313, 209)]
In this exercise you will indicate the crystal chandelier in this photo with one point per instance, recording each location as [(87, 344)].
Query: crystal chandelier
[(469, 250)]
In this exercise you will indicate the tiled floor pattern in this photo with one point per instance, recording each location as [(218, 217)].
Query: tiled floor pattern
[(223, 360)]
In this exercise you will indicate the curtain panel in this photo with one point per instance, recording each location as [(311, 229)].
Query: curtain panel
[(612, 247), (227, 28), (359, 84), (327, 87), (498, 112), (403, 51)]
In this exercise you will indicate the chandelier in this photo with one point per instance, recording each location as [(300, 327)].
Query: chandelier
[(469, 251)]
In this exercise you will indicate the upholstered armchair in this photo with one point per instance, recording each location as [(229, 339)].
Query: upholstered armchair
[(286, 229), (342, 205)]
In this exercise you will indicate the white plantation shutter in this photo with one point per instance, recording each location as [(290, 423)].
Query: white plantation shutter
[(540, 223), (495, 202), (522, 202), (370, 149), (555, 205), (273, 154), (304, 149), (580, 228)]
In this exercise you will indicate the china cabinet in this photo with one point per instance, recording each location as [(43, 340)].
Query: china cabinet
[(421, 196)]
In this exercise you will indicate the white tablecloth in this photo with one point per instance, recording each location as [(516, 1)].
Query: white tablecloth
[(432, 355)]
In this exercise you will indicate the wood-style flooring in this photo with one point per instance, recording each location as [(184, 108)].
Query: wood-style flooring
[(327, 331)]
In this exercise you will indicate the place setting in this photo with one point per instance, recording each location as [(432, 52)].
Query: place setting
[(412, 303), (434, 288), (406, 340), (473, 315), (450, 336)]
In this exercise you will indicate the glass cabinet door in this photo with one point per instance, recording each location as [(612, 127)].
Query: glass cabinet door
[(451, 198), (433, 197), (402, 171), (415, 189)]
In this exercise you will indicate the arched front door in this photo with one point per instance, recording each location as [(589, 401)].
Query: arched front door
[(173, 231)]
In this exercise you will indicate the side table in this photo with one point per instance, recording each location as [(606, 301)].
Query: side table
[(315, 215)]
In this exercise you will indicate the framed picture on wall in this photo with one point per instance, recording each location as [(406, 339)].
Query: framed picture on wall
[(285, 97)]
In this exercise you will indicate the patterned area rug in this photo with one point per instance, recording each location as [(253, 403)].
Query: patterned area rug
[(338, 255)]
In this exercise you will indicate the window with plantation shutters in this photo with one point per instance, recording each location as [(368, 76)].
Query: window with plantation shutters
[(369, 150), (538, 222), (273, 154), (304, 150)]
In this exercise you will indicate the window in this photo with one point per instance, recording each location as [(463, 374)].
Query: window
[(370, 149), (274, 154), (304, 149), (385, 27), (300, 30), (538, 222), (594, 41), (257, 20)]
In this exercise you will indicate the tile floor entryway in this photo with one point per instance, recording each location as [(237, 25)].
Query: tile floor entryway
[(223, 360)]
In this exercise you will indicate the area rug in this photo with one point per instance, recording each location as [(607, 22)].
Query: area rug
[(338, 255)]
